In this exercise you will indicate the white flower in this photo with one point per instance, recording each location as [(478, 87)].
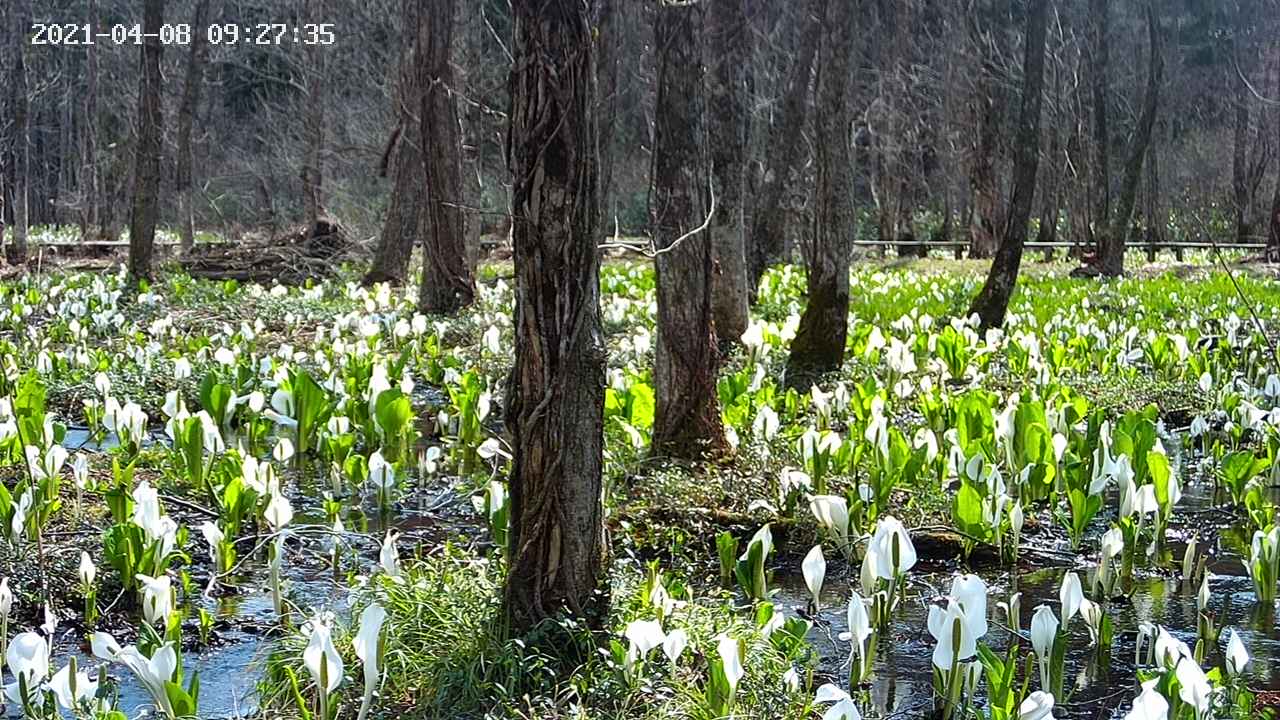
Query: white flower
[(675, 643), (731, 658), (842, 708), (87, 572), (157, 598), (28, 658), (1071, 595), (1037, 706), (891, 548), (366, 647), (1237, 656), (814, 569), (321, 658), (642, 637), (388, 557), (279, 512), (1149, 705)]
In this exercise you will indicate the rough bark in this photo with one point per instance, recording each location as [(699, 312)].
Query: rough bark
[(555, 393), (782, 156), (993, 301), (403, 224), (447, 283), (1049, 198), (186, 119), (819, 343), (1117, 234), (729, 54), (687, 420), (1100, 69), (311, 173), (146, 172), (607, 69), (20, 107)]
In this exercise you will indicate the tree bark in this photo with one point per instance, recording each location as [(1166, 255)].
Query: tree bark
[(146, 173), (819, 343), (730, 51), (1241, 196), (984, 232), (186, 119), (312, 173), (403, 224), (90, 220), (555, 393), (1100, 86), (687, 420), (21, 106), (782, 156), (1049, 199), (993, 301), (1117, 233), (447, 283)]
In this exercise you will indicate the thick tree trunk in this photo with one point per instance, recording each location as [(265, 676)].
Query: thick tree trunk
[(730, 53), (403, 224), (1154, 225), (20, 107), (1100, 78), (555, 394), (447, 283), (608, 32), (186, 119), (1117, 233), (687, 420), (146, 172), (993, 301), (782, 156), (312, 172), (819, 343)]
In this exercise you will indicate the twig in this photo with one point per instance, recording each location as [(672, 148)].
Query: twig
[(652, 251)]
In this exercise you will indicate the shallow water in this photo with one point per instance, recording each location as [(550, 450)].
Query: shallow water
[(902, 681)]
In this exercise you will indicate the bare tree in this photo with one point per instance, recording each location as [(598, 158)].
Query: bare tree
[(403, 224), (820, 339), (186, 119), (782, 153), (447, 282), (687, 420), (986, 105), (993, 301), (1114, 242), (729, 49), (1100, 79), (555, 407), (312, 170), (1273, 235), (21, 104), (146, 173)]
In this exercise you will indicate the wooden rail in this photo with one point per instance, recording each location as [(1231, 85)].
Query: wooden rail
[(1067, 245)]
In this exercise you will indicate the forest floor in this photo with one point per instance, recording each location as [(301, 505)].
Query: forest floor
[(1102, 344)]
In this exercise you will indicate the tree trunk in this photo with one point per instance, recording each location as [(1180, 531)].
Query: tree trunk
[(403, 223), (1154, 225), (90, 221), (730, 53), (312, 173), (555, 393), (1099, 84), (21, 106), (1239, 157), (447, 283), (687, 420), (608, 36), (782, 156), (819, 343), (1049, 199), (993, 301), (1117, 233), (984, 232), (146, 173), (186, 118), (1273, 236)]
